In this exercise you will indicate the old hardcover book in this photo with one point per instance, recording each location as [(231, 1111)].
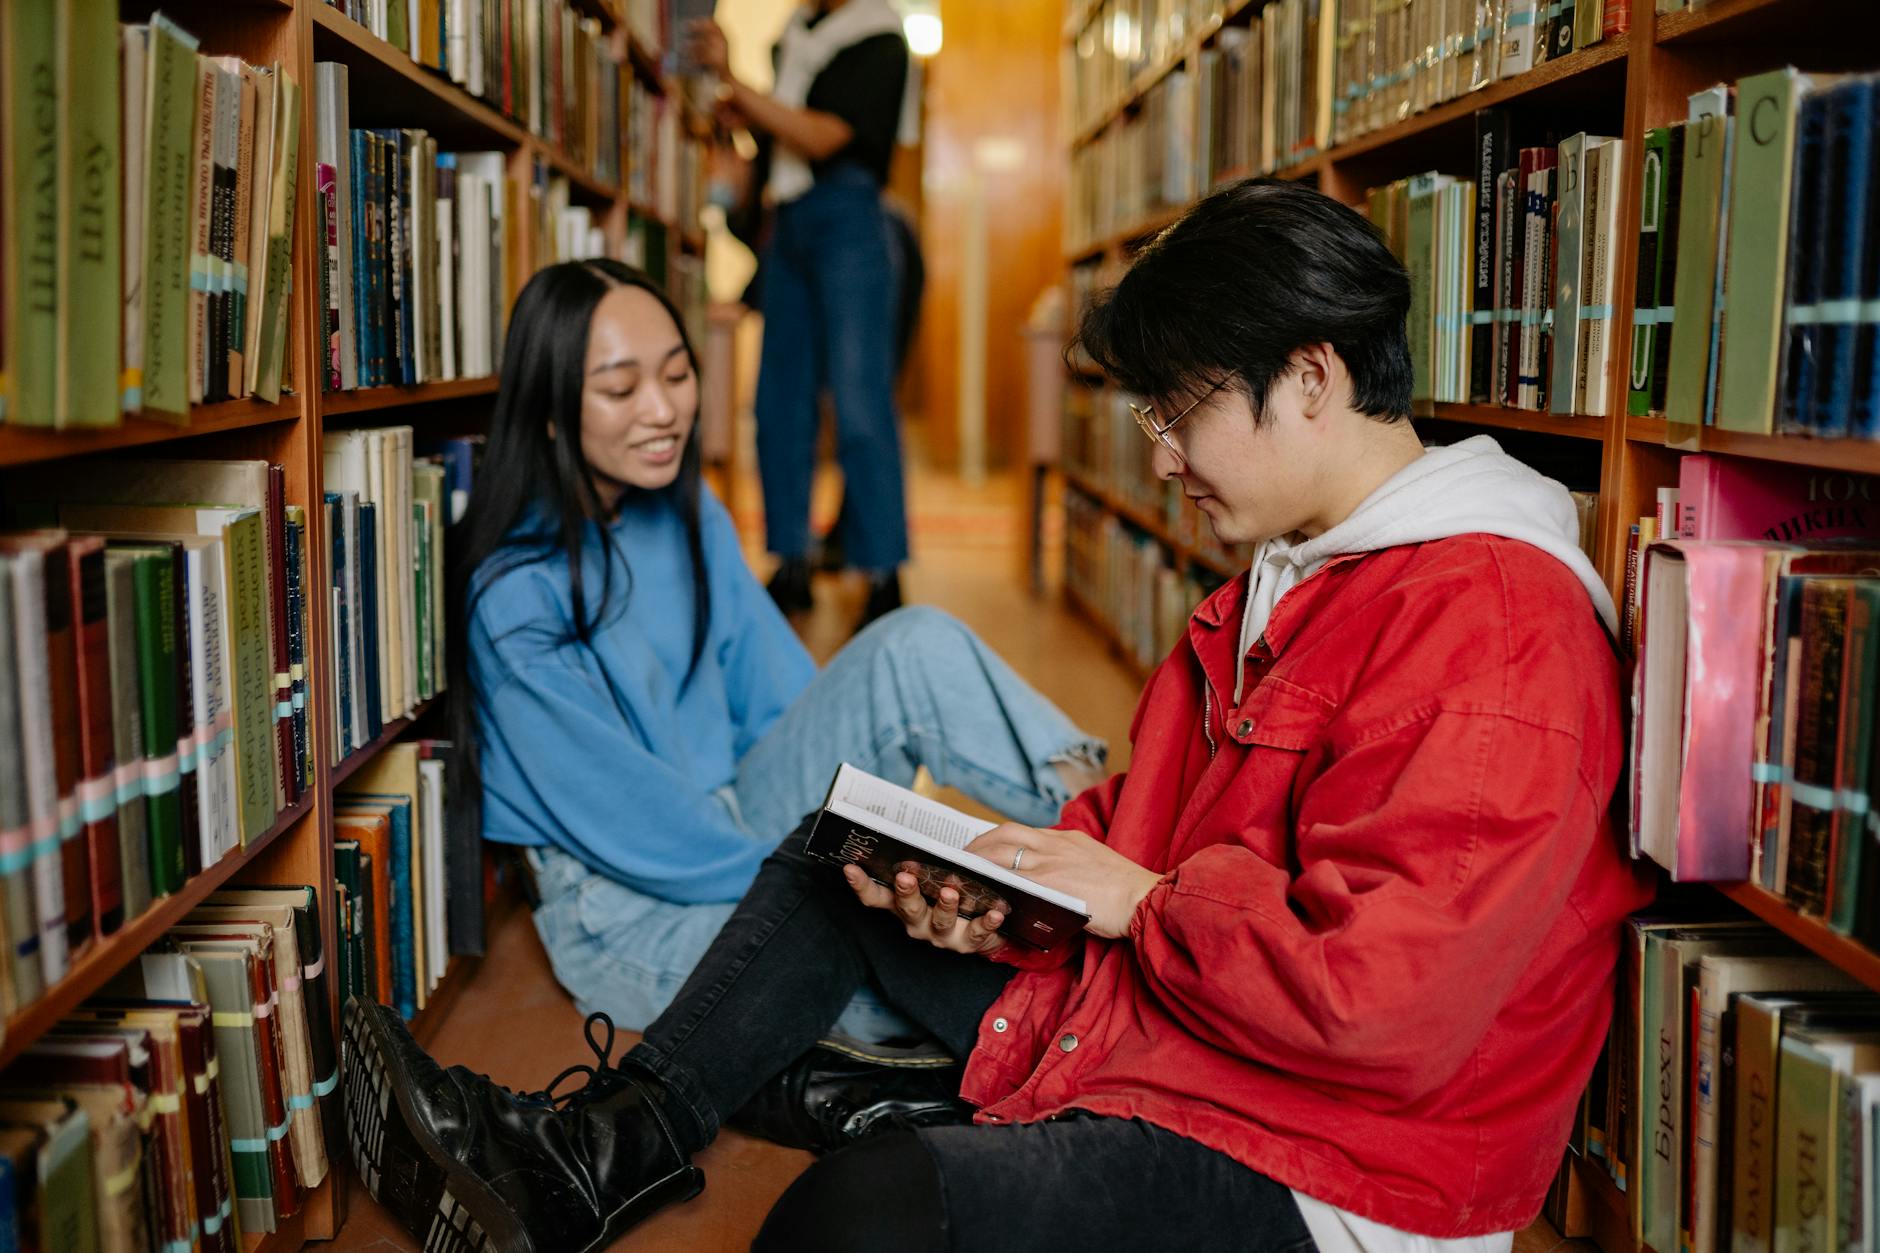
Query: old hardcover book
[(1797, 372), (97, 791), (241, 245), (173, 1218), (1747, 498), (34, 558), (372, 832), (1652, 189), (170, 128), (313, 949), (16, 839), (94, 1075), (260, 213), (133, 73), (90, 291), (1847, 238), (1805, 1129), (127, 731), (202, 263), (154, 585), (230, 980), (332, 127), (30, 140), (286, 149), (1668, 268), (884, 828), (1597, 297), (1812, 796), (1707, 135), (1563, 392), (67, 1217), (1762, 193), (1860, 672)]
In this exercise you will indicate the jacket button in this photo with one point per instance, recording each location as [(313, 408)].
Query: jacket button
[(999, 1024), (1067, 1042), (1245, 728)]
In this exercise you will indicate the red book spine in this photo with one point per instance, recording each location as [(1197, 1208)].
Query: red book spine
[(269, 1056), (275, 527), (509, 58), (62, 669), (97, 790), (1615, 19)]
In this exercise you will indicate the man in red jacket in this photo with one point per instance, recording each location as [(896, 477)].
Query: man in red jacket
[(1355, 907)]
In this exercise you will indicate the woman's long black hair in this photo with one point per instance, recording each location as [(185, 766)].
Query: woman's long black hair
[(535, 495)]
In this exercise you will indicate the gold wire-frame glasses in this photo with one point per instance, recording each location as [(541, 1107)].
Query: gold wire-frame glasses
[(1145, 418)]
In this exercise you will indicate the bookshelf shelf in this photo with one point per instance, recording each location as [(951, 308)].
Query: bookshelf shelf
[(1144, 520), (1646, 430), (20, 445), (1862, 456), (1850, 955), (1501, 417), (95, 968), (383, 83), (1736, 21), (377, 399), (347, 766)]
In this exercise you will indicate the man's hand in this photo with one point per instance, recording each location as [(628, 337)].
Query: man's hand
[(706, 46), (939, 924), (1070, 861)]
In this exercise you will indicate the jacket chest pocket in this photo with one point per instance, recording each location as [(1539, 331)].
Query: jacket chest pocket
[(1273, 746)]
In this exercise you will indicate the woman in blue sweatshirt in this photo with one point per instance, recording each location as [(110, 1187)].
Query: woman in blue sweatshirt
[(640, 716)]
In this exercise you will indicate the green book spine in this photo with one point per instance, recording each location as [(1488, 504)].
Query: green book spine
[(31, 239), (1563, 388), (170, 128), (1804, 1148), (1757, 250), (280, 239), (1420, 255), (1705, 141), (1651, 210), (246, 582), (231, 998), (156, 667), (68, 1215), (91, 294)]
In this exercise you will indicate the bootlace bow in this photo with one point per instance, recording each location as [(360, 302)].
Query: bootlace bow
[(597, 1073)]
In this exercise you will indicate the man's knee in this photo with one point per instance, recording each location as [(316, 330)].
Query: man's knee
[(883, 1193), (918, 629)]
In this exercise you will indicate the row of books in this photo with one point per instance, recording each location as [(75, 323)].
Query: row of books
[(1511, 271), (667, 172), (1395, 58), (153, 692), (1105, 449), (1757, 257), (537, 61), (386, 513), (1738, 1099), (1300, 76), (1753, 695), (152, 180), (391, 864), (1129, 579), (193, 1103)]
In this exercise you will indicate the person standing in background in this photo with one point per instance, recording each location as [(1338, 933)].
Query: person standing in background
[(830, 282)]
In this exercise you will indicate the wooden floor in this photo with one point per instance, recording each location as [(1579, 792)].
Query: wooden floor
[(515, 1024)]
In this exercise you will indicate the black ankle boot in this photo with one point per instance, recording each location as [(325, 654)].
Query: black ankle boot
[(467, 1165), (884, 597), (789, 586), (842, 1091)]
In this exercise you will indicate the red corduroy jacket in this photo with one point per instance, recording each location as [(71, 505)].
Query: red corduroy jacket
[(1380, 963)]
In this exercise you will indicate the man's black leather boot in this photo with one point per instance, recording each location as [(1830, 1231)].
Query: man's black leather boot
[(468, 1165), (842, 1091)]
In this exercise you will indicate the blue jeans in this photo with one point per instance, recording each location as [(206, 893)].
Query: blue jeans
[(829, 323), (915, 689)]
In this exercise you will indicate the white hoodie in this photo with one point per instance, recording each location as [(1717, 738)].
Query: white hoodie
[(1468, 488)]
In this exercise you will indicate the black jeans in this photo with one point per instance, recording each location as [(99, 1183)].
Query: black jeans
[(776, 979)]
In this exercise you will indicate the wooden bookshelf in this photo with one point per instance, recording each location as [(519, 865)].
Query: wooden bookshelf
[(386, 88), (95, 968), (1621, 86)]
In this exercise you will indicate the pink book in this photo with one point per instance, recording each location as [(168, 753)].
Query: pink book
[(1743, 498)]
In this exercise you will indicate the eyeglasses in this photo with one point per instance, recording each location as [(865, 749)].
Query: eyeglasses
[(1145, 418)]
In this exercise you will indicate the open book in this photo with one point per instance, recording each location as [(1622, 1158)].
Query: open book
[(884, 828)]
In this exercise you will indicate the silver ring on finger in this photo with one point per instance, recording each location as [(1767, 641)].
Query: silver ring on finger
[(1018, 858)]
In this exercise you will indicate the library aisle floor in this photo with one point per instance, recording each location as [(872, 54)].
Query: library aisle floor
[(969, 545)]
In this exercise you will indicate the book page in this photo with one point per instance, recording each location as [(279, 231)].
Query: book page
[(864, 793)]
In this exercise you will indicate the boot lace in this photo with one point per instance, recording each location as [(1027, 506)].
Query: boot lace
[(601, 1074)]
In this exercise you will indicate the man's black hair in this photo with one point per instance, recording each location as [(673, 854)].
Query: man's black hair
[(1253, 273)]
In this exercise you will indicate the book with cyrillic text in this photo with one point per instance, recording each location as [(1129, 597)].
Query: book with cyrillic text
[(884, 828)]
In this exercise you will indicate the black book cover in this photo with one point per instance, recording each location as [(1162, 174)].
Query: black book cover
[(1493, 147), (1668, 267), (882, 847), (1798, 374)]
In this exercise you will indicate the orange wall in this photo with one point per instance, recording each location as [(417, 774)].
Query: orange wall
[(995, 79)]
